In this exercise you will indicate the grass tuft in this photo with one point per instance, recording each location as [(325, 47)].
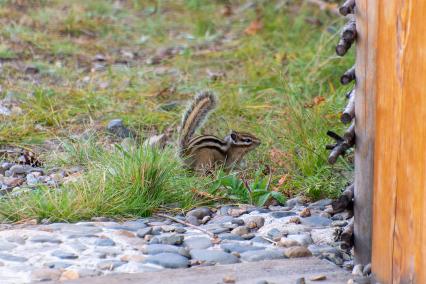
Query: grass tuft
[(120, 184)]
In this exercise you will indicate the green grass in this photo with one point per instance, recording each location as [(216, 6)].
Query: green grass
[(121, 184), (272, 79)]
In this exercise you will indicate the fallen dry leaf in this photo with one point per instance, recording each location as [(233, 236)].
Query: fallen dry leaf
[(254, 27), (315, 101)]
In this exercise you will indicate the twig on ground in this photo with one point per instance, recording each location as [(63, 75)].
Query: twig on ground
[(214, 236), (271, 241)]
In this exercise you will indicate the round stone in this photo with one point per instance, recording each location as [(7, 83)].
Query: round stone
[(242, 230), (64, 254), (237, 247), (168, 260), (11, 257), (258, 255), (45, 239), (317, 221), (213, 256), (104, 242), (141, 233), (45, 274), (161, 248), (197, 243), (302, 239), (168, 239), (299, 251), (255, 222)]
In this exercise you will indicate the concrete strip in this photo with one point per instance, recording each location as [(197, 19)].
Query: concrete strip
[(285, 271)]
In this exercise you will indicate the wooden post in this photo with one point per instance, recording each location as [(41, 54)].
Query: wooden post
[(391, 115), (364, 128)]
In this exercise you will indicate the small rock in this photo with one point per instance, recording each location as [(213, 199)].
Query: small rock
[(104, 242), (323, 236), (205, 219), (282, 214), (168, 228), (109, 264), (255, 222), (117, 128), (260, 240), (168, 239), (305, 213), (153, 249), (258, 255), (295, 220), (274, 234), (339, 223), (45, 239), (367, 270), (45, 274), (13, 181), (294, 201), (141, 233), (229, 279), (64, 255), (238, 222), (302, 239), (318, 278), (237, 247), (18, 169), (317, 221), (230, 237), (134, 258), (237, 212), (192, 220), (358, 270), (300, 251), (320, 204), (14, 258), (242, 230), (300, 281), (58, 264), (213, 256), (4, 246), (248, 236), (197, 243), (200, 213), (69, 275), (168, 260), (286, 242)]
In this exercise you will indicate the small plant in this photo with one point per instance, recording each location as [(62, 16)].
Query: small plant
[(256, 192)]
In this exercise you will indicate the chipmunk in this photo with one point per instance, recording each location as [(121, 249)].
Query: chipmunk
[(203, 153)]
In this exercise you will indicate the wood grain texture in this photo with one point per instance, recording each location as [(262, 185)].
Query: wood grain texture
[(364, 128), (399, 214)]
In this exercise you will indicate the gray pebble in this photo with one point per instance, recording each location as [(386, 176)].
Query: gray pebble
[(168, 260), (237, 247), (160, 248), (282, 214), (238, 222), (64, 254), (213, 256), (316, 221), (197, 243), (104, 242), (45, 239), (258, 255), (168, 239), (109, 264), (141, 233), (117, 128), (303, 239), (57, 264), (231, 237), (14, 258)]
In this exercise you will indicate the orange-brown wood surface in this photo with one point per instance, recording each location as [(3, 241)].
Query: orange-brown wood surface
[(399, 203)]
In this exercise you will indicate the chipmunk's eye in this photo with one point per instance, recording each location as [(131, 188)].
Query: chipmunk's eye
[(248, 140), (234, 136)]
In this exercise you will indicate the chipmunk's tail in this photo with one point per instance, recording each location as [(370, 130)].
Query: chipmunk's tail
[(194, 117)]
